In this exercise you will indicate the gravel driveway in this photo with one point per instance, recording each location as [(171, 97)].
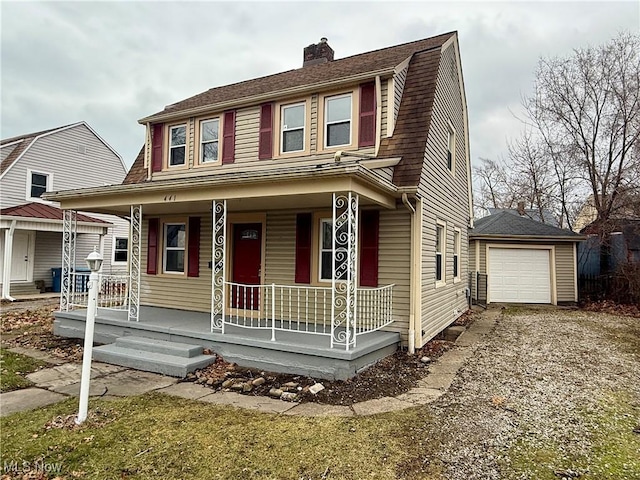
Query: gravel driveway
[(551, 393)]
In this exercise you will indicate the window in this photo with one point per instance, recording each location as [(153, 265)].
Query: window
[(209, 146), (337, 119), (440, 246), (456, 254), (177, 145), (38, 185), (174, 247), (292, 128), (451, 148), (326, 251), (120, 249)]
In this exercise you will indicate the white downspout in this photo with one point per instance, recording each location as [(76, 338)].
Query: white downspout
[(412, 313), (8, 253)]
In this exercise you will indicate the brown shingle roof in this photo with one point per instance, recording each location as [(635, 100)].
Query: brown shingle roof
[(414, 118), (384, 58), (43, 211), (137, 173)]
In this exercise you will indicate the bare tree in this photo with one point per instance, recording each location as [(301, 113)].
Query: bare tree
[(586, 109)]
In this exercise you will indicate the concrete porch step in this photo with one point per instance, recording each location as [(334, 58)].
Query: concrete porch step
[(24, 289), (157, 356)]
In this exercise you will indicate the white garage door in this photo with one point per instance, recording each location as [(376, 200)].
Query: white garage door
[(519, 275)]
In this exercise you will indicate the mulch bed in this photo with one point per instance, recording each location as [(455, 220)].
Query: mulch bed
[(389, 377), (607, 306)]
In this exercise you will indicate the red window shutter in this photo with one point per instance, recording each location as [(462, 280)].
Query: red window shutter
[(369, 228), (193, 253), (156, 148), (265, 149), (367, 128), (229, 137), (152, 247), (303, 248)]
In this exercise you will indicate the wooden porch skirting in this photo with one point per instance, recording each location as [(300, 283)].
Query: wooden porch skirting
[(293, 352)]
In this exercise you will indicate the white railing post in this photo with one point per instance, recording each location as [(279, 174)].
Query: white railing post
[(273, 312), (218, 266), (135, 249)]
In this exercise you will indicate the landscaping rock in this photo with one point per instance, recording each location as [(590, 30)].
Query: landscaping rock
[(425, 360), (275, 393), (289, 397), (258, 381), (318, 387)]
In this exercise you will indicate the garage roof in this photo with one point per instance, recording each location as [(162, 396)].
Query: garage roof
[(504, 224)]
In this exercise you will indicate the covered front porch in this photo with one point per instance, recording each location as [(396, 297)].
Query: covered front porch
[(275, 264), (293, 351)]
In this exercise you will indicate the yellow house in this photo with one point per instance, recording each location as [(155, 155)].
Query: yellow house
[(322, 212)]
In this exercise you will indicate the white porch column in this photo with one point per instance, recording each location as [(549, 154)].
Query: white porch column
[(101, 246), (135, 247), (345, 267), (218, 264), (8, 259), (69, 229)]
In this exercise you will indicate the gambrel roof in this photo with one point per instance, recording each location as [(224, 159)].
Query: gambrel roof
[(414, 115)]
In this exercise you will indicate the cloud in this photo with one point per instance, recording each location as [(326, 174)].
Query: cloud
[(111, 63)]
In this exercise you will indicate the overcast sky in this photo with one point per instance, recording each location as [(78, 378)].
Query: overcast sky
[(112, 63)]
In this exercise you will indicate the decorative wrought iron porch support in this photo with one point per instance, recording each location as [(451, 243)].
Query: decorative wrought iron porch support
[(69, 229), (218, 264), (345, 261), (135, 236)]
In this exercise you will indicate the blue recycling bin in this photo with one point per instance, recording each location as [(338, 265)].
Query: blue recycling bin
[(56, 277)]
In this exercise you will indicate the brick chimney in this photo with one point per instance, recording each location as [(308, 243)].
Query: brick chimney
[(317, 53), (521, 208)]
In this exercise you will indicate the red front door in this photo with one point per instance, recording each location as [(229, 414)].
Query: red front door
[(247, 260)]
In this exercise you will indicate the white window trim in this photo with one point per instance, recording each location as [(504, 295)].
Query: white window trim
[(186, 140), (304, 127), (28, 196), (202, 142), (327, 123), (443, 254), (113, 251), (165, 248), (451, 147), (457, 234), (320, 250)]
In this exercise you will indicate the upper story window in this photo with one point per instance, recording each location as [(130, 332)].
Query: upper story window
[(177, 145), (37, 184), (209, 144), (292, 128), (337, 120), (451, 148)]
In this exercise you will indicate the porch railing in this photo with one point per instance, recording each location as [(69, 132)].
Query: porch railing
[(112, 291), (302, 309)]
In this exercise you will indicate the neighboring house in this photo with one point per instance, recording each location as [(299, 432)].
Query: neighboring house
[(246, 193), (622, 232), (524, 261), (532, 213), (66, 157)]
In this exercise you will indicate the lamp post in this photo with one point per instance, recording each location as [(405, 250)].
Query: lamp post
[(94, 261)]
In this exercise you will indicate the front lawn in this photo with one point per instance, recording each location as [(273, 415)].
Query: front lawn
[(14, 367), (156, 436)]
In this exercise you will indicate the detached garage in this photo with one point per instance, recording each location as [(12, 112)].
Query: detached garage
[(524, 261)]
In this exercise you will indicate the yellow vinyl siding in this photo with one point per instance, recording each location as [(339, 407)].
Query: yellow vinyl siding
[(565, 273), (448, 202), (185, 293), (247, 128)]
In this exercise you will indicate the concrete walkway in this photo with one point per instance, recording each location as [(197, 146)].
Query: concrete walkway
[(62, 381)]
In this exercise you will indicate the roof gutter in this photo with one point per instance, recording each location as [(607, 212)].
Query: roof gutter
[(263, 97), (330, 170)]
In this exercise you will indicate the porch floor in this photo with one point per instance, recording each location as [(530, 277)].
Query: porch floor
[(292, 352)]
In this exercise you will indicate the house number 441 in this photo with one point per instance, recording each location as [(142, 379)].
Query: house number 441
[(169, 198)]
